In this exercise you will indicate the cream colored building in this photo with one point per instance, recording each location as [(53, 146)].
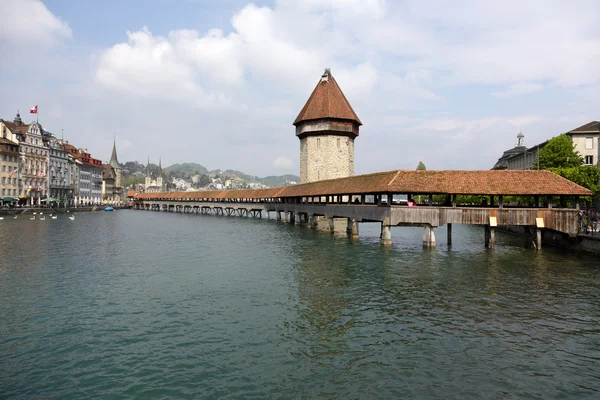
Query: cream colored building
[(326, 126), (585, 139)]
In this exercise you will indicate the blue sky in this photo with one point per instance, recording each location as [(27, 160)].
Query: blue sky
[(220, 82)]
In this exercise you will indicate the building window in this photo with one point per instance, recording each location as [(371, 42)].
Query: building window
[(589, 160), (318, 143), (589, 143), (338, 142)]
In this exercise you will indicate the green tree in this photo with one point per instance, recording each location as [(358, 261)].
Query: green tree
[(559, 152), (421, 166), (204, 180)]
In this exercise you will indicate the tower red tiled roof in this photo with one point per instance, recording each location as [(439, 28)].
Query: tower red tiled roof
[(327, 101)]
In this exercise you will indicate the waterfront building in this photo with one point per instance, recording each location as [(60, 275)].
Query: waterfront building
[(585, 139), (59, 178), (156, 185), (9, 163), (111, 179), (88, 173), (519, 156), (33, 171), (326, 126)]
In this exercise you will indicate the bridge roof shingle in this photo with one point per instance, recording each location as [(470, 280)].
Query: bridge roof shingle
[(488, 182)]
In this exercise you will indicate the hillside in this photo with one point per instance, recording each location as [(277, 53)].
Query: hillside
[(134, 172), (187, 168)]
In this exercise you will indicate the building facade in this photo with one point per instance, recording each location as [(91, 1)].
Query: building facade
[(59, 173), (519, 157), (33, 170), (9, 165), (585, 139), (86, 173), (327, 127)]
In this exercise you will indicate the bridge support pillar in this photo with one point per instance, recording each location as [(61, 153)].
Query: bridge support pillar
[(312, 222), (490, 237), (292, 217), (331, 226), (278, 215), (268, 214), (428, 237), (538, 238), (449, 234), (352, 229), (386, 234)]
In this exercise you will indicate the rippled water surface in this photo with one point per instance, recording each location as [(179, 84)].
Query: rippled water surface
[(135, 304)]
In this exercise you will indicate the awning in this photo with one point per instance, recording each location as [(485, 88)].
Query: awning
[(50, 199), (8, 199)]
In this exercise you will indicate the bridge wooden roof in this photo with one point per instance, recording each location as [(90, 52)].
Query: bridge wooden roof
[(494, 182)]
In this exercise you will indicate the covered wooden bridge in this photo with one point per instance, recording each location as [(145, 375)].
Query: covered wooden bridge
[(444, 197)]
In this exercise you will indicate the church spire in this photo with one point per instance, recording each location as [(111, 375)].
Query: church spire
[(159, 167), (114, 162), (148, 168), (18, 120)]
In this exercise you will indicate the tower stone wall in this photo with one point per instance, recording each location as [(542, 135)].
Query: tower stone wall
[(326, 157)]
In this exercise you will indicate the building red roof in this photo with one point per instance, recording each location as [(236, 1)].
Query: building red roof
[(327, 101)]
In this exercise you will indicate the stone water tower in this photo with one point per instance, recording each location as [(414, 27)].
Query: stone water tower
[(326, 127)]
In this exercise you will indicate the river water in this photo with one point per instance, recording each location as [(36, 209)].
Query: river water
[(137, 304)]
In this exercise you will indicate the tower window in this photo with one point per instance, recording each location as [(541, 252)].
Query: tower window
[(338, 143), (318, 143)]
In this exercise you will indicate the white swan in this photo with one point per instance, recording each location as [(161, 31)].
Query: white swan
[(32, 217), (42, 218), (54, 217), (71, 217), (15, 217), (1, 218)]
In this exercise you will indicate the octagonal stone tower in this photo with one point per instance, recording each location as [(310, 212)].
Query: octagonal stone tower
[(326, 127)]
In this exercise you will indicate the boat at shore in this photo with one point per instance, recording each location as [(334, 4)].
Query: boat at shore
[(109, 208)]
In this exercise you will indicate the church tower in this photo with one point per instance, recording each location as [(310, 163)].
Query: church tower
[(114, 163), (326, 127), (159, 178), (148, 177)]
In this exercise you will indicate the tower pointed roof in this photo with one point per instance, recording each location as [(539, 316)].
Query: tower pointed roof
[(148, 168), (114, 162), (327, 101), (159, 167)]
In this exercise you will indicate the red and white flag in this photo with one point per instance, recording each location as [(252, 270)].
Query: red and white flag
[(12, 172), (33, 110), (42, 174)]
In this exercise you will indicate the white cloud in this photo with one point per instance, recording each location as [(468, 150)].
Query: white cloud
[(282, 162), (148, 65), (29, 22), (517, 89)]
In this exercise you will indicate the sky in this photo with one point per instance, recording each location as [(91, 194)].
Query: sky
[(219, 82)]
